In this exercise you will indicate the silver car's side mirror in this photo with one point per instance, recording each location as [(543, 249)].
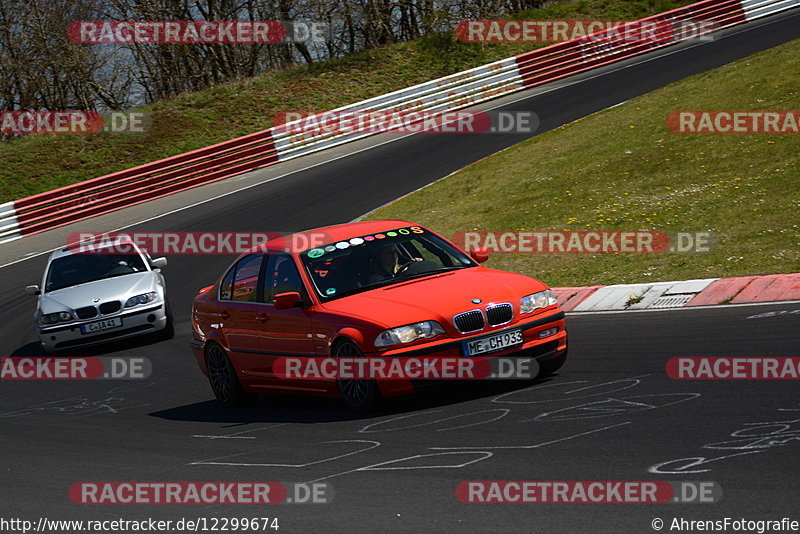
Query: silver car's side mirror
[(158, 263), (32, 290)]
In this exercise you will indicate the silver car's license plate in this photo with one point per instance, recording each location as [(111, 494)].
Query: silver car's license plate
[(492, 343), (99, 326)]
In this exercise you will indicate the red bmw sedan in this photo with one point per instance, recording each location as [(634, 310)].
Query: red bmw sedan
[(387, 290)]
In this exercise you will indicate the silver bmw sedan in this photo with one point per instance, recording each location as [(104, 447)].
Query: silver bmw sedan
[(87, 298)]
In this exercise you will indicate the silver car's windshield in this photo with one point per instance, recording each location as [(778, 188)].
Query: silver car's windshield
[(77, 269), (375, 260)]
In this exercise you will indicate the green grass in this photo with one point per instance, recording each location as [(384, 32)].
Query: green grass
[(42, 162), (622, 169)]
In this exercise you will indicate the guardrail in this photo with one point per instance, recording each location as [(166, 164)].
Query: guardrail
[(177, 173)]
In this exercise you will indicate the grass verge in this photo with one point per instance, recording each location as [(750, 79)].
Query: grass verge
[(622, 169)]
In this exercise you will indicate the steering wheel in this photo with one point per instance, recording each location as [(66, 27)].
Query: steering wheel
[(403, 268)]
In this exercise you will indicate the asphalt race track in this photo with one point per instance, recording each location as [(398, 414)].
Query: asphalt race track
[(610, 414)]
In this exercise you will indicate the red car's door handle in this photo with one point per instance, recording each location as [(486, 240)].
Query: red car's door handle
[(224, 314), (262, 317)]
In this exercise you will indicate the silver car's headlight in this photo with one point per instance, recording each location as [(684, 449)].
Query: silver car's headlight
[(56, 317), (408, 333), (542, 299), (144, 298)]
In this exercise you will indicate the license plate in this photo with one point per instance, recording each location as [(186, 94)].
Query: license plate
[(492, 343), (98, 326)]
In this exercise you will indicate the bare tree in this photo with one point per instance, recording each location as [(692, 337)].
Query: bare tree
[(41, 68)]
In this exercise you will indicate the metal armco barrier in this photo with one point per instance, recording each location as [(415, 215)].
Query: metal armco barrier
[(177, 173)]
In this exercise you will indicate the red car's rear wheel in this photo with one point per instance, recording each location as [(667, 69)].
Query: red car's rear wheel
[(222, 377)]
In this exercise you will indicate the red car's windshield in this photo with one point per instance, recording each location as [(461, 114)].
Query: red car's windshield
[(365, 262)]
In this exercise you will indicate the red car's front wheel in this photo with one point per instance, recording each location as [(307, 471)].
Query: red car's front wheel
[(548, 367), (359, 395)]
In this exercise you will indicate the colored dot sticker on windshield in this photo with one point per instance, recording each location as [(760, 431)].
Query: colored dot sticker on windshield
[(315, 253), (342, 245), (356, 241), (404, 231), (380, 236), (330, 291), (369, 238), (391, 234), (330, 248)]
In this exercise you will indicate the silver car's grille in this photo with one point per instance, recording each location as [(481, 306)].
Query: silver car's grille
[(470, 321), (110, 307), (499, 314), (86, 313)]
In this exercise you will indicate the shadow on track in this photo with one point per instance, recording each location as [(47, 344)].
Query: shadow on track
[(263, 408), (34, 348)]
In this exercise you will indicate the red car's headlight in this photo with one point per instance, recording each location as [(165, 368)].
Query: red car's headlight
[(542, 299), (408, 333)]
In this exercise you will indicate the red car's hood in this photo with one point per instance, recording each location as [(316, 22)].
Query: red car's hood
[(436, 297)]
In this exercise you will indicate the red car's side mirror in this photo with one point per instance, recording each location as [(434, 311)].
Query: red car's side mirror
[(479, 254), (284, 301)]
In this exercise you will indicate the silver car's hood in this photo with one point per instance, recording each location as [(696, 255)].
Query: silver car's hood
[(117, 288)]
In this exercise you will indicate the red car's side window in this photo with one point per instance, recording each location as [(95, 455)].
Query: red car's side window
[(226, 287), (241, 282), (282, 278)]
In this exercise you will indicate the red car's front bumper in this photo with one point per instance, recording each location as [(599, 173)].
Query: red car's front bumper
[(532, 346)]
